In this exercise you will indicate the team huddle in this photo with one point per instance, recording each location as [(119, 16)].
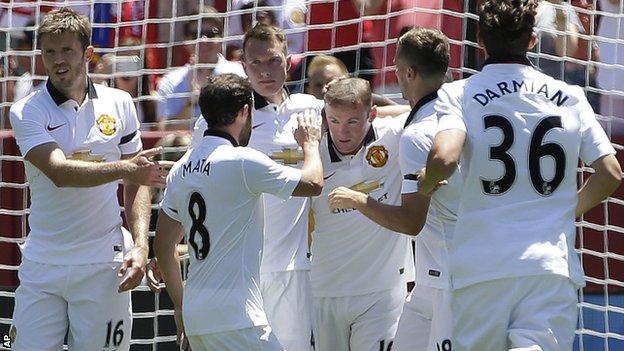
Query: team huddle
[(479, 177)]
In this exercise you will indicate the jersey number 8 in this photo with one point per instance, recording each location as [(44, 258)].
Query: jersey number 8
[(197, 226), (537, 150)]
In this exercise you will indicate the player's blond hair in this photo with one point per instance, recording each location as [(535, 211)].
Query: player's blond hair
[(349, 91), (66, 20), (321, 61), (264, 32)]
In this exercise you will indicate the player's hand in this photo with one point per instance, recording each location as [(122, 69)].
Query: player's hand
[(308, 127), (148, 172), (424, 187), (132, 269), (181, 340), (343, 198), (154, 277)]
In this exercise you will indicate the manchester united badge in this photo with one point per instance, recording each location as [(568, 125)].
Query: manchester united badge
[(377, 156), (107, 124)]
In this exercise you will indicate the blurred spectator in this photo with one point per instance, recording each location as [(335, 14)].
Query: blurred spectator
[(178, 90), (322, 70), (557, 27), (22, 43), (290, 15), (611, 78), (262, 14)]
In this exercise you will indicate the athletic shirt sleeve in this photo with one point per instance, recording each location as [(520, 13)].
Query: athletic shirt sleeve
[(413, 151), (594, 141), (449, 107), (30, 131), (263, 175), (168, 203), (130, 142)]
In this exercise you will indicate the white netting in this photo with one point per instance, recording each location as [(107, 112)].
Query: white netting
[(138, 42)]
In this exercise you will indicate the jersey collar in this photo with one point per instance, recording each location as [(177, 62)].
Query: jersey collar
[(220, 134), (261, 102), (522, 60), (60, 99), (422, 102), (334, 155)]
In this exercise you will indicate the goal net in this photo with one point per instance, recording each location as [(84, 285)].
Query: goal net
[(157, 51)]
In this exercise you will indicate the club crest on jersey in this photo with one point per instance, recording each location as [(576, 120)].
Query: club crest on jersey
[(377, 156), (107, 124)]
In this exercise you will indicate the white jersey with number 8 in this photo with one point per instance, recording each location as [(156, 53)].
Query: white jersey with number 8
[(525, 134)]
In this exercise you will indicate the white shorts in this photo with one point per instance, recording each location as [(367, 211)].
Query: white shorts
[(357, 323), (251, 339), (287, 302), (425, 324), (535, 313), (84, 298)]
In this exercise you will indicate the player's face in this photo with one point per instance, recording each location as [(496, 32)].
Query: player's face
[(401, 72), (348, 125), (265, 64), (318, 78), (65, 61)]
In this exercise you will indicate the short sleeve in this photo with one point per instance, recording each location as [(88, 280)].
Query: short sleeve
[(28, 127), (130, 142), (449, 107), (594, 141), (168, 203), (170, 105), (413, 152), (263, 175)]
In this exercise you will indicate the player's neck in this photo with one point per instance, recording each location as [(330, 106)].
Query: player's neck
[(418, 94), (278, 98), (77, 93)]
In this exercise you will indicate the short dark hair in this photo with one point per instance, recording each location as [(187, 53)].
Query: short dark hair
[(222, 98), (263, 32), (66, 20), (426, 51), (505, 26)]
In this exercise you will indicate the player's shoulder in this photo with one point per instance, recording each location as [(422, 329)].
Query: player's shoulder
[(114, 94), (34, 104), (387, 127), (458, 86)]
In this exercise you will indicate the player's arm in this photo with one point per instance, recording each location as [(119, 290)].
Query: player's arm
[(308, 135), (51, 160), (443, 158), (137, 207), (169, 233), (601, 184), (392, 110), (408, 218)]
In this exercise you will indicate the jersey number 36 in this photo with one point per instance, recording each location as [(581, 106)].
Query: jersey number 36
[(537, 150)]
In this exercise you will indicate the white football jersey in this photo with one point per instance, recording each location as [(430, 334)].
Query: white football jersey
[(432, 242), (352, 255), (272, 134), (75, 225), (215, 192), (525, 134)]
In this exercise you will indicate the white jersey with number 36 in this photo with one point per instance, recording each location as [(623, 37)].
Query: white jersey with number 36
[(525, 134)]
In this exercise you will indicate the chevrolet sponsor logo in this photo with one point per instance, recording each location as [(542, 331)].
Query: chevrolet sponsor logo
[(86, 156), (367, 188), (288, 156)]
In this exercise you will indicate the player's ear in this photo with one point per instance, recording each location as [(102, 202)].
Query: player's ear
[(532, 41), (89, 51), (372, 114), (288, 62)]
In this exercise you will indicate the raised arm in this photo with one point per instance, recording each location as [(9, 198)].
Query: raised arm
[(308, 135)]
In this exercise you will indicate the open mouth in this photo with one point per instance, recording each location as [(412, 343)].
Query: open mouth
[(61, 71)]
